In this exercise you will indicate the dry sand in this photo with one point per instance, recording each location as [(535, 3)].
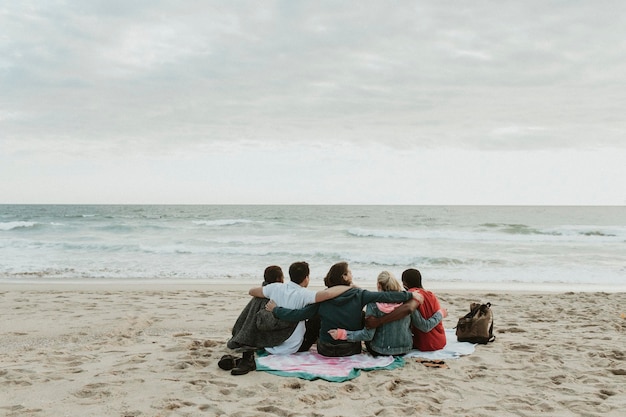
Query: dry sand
[(152, 350)]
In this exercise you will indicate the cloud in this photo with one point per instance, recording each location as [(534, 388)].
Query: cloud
[(199, 72), (100, 79)]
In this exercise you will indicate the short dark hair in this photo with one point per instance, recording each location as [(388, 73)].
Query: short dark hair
[(273, 273), (298, 271), (336, 275), (412, 278)]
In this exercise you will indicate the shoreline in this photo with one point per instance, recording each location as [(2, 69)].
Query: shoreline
[(245, 285)]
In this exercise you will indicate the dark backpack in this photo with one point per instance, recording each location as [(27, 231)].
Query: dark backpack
[(477, 325)]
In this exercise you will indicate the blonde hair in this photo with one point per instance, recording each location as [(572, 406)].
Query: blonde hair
[(388, 282)]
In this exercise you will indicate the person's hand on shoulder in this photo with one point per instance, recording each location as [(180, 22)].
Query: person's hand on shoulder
[(417, 296), (270, 306)]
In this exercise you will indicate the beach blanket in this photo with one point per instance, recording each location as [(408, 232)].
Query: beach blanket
[(311, 365), (452, 350)]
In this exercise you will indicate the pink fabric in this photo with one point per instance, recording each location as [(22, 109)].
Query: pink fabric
[(387, 307), (316, 364)]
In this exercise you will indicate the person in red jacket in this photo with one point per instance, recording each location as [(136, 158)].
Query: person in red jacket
[(435, 339)]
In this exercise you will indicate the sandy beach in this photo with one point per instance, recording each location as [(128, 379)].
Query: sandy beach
[(152, 350)]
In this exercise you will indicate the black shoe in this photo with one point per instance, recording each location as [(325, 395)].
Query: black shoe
[(246, 364), (228, 362)]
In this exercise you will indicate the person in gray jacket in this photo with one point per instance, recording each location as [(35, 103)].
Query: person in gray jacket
[(256, 328), (393, 338)]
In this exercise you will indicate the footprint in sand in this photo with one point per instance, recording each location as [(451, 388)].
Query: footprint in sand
[(211, 408), (93, 391), (175, 403), (293, 385), (605, 393), (519, 346), (275, 411), (18, 377), (20, 410)]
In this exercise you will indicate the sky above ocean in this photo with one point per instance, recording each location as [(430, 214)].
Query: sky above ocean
[(299, 102)]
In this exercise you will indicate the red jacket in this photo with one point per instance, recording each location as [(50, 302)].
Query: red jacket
[(436, 338)]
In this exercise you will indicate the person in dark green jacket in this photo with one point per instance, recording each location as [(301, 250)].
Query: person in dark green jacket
[(344, 311)]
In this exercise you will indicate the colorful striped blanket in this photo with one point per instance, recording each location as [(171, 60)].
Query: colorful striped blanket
[(311, 365)]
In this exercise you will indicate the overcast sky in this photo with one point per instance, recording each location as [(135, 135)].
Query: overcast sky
[(313, 102)]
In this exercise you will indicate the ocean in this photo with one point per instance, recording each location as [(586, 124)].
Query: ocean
[(527, 247)]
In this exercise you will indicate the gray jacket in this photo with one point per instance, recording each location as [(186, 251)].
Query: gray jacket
[(258, 328)]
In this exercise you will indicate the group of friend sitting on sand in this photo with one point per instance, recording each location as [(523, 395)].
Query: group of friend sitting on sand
[(285, 318)]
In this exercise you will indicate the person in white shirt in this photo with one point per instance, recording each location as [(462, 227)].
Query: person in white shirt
[(294, 294)]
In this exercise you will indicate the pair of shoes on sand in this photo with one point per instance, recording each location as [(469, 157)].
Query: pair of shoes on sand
[(238, 366)]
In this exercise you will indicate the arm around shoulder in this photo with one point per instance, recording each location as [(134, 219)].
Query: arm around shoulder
[(426, 325), (330, 293), (400, 312), (288, 314), (257, 292)]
